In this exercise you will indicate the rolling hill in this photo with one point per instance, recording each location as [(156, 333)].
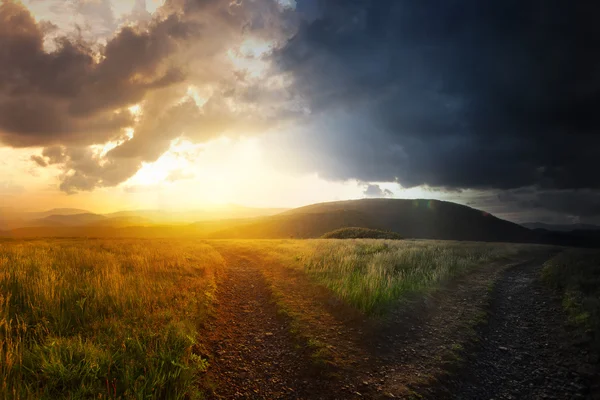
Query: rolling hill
[(410, 219), (423, 219), (69, 220), (12, 219)]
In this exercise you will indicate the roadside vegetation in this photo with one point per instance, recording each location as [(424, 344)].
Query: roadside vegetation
[(576, 273), (361, 233), (372, 275), (103, 318)]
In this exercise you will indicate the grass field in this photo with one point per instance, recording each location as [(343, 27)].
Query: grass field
[(102, 319), (373, 274), (124, 318), (576, 273)]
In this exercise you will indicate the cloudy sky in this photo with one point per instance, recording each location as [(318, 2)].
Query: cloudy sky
[(175, 104)]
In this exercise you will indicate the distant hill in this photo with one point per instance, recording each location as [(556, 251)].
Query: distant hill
[(11, 218), (361, 233), (561, 227), (121, 222), (69, 220), (419, 219), (54, 211), (212, 213), (426, 219)]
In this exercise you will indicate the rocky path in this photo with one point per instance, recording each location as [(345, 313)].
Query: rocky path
[(527, 350), (253, 355)]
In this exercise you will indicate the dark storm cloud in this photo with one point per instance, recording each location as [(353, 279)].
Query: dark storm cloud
[(453, 94), (554, 206), (583, 203)]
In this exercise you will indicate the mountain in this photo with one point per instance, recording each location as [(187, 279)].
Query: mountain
[(69, 220), (212, 213), (561, 227), (121, 222), (423, 219), (54, 211), (11, 218)]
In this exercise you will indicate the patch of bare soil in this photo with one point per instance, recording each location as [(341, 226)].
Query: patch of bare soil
[(528, 350), (252, 354)]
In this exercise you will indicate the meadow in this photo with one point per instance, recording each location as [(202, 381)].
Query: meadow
[(103, 319), (372, 274), (125, 318), (576, 273)]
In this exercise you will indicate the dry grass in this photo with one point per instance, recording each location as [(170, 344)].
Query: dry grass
[(102, 318)]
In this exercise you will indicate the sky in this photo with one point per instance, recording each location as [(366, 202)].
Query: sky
[(179, 104)]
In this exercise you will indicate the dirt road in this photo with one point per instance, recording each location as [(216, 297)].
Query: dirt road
[(527, 350), (524, 350), (253, 354)]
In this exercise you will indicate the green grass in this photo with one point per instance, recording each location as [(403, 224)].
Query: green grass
[(374, 274), (577, 274), (103, 319)]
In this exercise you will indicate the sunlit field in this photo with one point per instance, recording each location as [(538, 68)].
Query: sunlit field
[(103, 319), (373, 274), (124, 318)]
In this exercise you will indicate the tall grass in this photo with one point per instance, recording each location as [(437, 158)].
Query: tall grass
[(102, 319), (373, 274), (576, 272)]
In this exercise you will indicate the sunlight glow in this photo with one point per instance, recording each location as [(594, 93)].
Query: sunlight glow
[(178, 158), (136, 110), (248, 56)]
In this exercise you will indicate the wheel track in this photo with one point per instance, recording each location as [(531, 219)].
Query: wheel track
[(253, 354), (527, 350)]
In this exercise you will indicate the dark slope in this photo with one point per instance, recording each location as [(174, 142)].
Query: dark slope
[(426, 219), (297, 226)]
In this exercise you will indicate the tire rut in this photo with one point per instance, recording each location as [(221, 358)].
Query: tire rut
[(527, 350), (253, 354)]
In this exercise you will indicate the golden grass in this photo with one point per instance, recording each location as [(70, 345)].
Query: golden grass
[(103, 318)]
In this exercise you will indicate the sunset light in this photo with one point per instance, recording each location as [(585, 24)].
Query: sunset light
[(299, 199)]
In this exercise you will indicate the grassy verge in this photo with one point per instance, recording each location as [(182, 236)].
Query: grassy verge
[(577, 274), (371, 275), (103, 319)]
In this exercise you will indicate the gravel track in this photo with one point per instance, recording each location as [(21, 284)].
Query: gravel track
[(527, 349)]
